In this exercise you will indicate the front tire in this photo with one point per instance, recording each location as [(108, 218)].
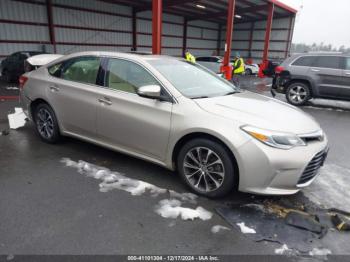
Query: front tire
[(206, 167), (248, 72), (298, 94), (46, 123)]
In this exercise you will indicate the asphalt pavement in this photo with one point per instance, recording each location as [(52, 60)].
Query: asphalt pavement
[(49, 208)]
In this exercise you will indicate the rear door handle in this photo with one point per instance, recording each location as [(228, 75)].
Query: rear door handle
[(315, 70), (54, 88), (105, 101)]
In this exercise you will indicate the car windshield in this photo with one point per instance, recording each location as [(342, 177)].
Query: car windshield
[(193, 80)]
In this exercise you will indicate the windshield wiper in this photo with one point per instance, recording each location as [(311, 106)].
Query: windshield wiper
[(231, 93), (199, 97)]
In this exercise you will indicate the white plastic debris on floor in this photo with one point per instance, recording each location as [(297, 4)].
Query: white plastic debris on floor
[(217, 228), (331, 187), (17, 119), (245, 229), (167, 208), (320, 252)]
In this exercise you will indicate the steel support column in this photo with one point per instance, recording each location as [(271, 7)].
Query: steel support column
[(268, 31), (228, 45), (134, 30), (157, 27), (184, 37), (51, 25)]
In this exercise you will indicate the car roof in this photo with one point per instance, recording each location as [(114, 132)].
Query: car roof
[(319, 54)]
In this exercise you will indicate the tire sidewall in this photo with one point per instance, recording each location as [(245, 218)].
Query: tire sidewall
[(230, 174), (248, 72), (308, 94), (56, 133)]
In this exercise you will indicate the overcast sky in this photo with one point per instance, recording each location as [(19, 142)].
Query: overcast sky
[(322, 21)]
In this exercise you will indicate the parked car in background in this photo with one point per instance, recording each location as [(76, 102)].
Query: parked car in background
[(211, 62), (252, 69), (13, 66), (179, 115), (317, 75)]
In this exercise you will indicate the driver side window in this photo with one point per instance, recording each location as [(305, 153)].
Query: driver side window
[(127, 76)]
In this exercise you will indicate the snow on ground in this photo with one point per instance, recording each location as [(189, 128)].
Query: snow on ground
[(331, 188), (215, 229), (171, 208), (320, 252), (167, 208), (245, 229), (282, 250)]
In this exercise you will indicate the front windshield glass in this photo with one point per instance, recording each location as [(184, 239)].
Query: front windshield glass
[(193, 80)]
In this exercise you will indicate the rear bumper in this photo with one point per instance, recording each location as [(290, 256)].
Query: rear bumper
[(25, 103), (279, 84)]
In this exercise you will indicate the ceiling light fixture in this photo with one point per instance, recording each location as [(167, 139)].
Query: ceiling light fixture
[(200, 6), (238, 16)]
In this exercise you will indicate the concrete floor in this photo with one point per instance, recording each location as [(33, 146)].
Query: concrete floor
[(47, 208)]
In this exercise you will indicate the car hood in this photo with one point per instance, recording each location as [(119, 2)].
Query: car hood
[(260, 111)]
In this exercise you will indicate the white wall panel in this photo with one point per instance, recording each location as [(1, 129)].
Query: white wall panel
[(201, 44), (171, 41), (86, 19), (24, 32), (22, 11), (204, 24), (96, 5)]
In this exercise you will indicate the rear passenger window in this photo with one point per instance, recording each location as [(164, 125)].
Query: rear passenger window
[(127, 76), (304, 61), (81, 69), (55, 70), (333, 62)]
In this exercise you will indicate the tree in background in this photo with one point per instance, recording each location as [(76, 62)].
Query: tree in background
[(320, 47)]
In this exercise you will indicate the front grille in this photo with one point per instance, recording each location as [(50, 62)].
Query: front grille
[(312, 168)]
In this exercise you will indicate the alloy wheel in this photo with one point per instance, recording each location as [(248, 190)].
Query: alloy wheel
[(45, 123), (203, 169), (297, 94)]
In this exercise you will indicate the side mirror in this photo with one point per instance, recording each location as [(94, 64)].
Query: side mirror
[(151, 91)]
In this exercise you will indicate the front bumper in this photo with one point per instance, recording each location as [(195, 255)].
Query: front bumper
[(270, 171)]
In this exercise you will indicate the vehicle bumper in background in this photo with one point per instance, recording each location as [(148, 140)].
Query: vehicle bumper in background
[(279, 84), (271, 171), (25, 103)]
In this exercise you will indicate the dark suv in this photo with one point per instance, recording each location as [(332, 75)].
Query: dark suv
[(317, 75)]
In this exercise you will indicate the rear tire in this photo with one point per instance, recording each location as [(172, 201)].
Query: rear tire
[(248, 72), (46, 123), (298, 94), (207, 168)]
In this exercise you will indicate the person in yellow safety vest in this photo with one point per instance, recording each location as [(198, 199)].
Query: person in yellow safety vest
[(189, 57), (238, 65)]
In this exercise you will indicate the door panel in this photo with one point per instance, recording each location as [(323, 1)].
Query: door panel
[(328, 75), (134, 123), (126, 120), (75, 103)]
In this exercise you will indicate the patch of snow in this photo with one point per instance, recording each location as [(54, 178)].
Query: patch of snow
[(17, 119), (215, 229), (320, 252), (171, 208), (258, 207), (245, 229), (282, 250), (11, 88), (168, 208), (330, 188)]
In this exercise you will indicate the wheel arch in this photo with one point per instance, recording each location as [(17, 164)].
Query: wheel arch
[(186, 138), (308, 82)]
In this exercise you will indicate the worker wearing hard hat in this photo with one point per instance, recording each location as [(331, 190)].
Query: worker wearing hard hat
[(238, 65), (189, 57)]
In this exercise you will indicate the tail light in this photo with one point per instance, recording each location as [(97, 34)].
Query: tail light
[(22, 81), (279, 69)]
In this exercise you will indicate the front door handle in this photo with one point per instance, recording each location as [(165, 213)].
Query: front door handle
[(315, 70), (54, 88), (347, 73), (105, 101)]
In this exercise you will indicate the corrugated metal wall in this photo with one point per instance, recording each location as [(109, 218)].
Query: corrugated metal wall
[(95, 25)]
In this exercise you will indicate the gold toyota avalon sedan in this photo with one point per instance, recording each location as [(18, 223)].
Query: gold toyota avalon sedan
[(178, 115)]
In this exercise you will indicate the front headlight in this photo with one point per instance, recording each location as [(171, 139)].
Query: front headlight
[(279, 140)]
